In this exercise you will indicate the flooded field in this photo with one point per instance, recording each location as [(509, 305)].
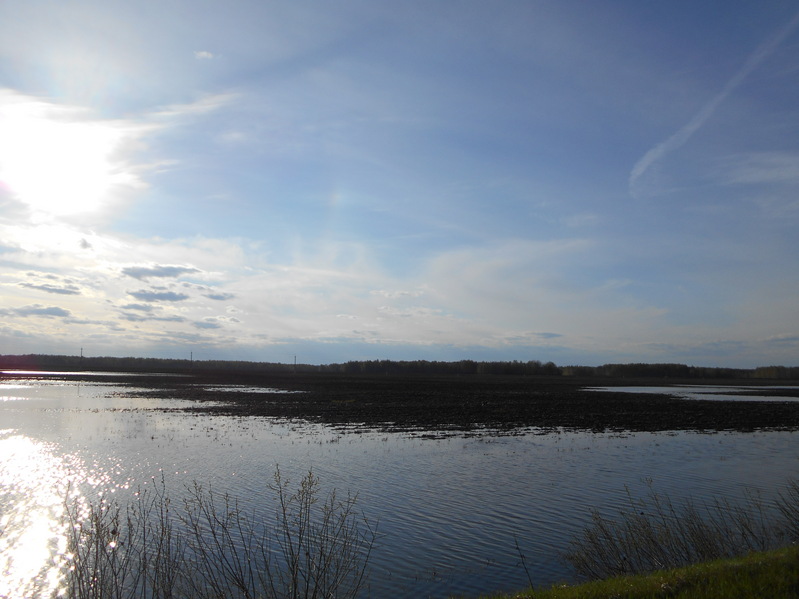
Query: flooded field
[(454, 471), (773, 393)]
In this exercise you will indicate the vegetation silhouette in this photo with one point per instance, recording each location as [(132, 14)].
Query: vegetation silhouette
[(393, 367), (315, 546)]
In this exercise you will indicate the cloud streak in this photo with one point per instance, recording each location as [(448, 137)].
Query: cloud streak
[(637, 187), (158, 271), (139, 318), (220, 297), (50, 283), (158, 296), (37, 310), (68, 290)]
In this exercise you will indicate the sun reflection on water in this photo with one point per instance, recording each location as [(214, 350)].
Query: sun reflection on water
[(36, 486)]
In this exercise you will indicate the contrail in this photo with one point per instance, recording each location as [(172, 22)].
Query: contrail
[(699, 119)]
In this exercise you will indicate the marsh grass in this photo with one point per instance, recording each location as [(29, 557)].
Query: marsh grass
[(209, 547), (773, 574), (654, 533)]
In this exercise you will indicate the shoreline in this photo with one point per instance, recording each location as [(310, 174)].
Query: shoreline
[(466, 404)]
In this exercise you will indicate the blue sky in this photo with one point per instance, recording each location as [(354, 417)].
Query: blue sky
[(574, 181)]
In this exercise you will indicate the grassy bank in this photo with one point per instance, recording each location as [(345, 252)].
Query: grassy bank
[(772, 574), (657, 548)]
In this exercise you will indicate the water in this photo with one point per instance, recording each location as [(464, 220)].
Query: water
[(450, 510), (709, 392)]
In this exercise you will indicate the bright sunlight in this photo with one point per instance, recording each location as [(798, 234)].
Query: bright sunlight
[(59, 161)]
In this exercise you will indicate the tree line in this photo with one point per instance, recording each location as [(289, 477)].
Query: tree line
[(394, 367), (680, 371)]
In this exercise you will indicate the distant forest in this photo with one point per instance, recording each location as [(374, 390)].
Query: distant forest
[(393, 367)]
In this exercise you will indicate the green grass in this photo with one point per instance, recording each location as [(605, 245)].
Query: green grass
[(772, 574)]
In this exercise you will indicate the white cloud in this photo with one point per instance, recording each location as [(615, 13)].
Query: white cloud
[(512, 293), (203, 55), (515, 293)]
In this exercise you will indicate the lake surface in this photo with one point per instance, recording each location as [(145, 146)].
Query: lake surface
[(449, 509)]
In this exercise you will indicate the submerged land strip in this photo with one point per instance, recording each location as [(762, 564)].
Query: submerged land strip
[(474, 403), (440, 398)]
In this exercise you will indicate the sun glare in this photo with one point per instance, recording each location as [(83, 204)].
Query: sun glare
[(57, 161), (32, 494)]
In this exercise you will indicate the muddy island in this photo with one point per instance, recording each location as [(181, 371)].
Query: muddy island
[(452, 397), (442, 404)]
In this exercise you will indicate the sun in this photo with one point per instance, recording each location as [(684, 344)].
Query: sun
[(59, 161)]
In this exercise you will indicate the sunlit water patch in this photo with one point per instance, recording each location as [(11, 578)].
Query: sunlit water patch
[(245, 389), (37, 482), (708, 392), (48, 374)]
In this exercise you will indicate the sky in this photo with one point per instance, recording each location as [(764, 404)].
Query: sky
[(583, 182)]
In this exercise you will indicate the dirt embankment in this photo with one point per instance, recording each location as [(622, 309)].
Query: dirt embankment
[(471, 403)]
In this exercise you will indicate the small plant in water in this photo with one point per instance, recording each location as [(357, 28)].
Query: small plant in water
[(210, 548)]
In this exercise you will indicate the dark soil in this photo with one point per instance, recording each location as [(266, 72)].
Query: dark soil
[(472, 403)]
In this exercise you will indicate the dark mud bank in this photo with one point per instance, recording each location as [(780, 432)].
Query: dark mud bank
[(464, 404)]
